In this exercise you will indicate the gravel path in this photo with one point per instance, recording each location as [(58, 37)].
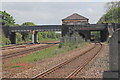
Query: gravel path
[(45, 64), (97, 66)]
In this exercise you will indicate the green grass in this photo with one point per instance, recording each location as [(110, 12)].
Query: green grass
[(46, 53), (15, 66), (37, 55)]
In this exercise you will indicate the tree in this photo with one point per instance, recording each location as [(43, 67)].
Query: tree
[(7, 19), (112, 13), (111, 5), (113, 16), (28, 24)]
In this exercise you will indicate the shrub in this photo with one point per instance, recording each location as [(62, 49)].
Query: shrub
[(72, 42)]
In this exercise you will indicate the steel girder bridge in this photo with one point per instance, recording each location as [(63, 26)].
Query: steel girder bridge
[(65, 29)]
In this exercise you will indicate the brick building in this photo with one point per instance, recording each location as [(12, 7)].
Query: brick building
[(75, 19)]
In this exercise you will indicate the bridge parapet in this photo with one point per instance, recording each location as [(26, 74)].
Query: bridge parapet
[(95, 27), (36, 28), (56, 27)]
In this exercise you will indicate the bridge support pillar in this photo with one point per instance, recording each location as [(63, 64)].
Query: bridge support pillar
[(34, 37), (104, 35), (65, 30), (13, 38)]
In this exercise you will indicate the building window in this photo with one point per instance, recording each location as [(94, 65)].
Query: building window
[(79, 23), (71, 23)]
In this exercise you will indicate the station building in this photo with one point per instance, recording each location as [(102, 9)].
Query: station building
[(75, 19)]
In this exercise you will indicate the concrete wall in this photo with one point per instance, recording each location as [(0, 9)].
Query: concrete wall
[(114, 51), (119, 50)]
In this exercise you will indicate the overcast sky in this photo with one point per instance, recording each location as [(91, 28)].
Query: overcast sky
[(52, 12)]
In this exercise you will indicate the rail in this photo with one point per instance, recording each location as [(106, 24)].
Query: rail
[(41, 75)]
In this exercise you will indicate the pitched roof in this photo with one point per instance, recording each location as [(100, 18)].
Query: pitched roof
[(74, 17)]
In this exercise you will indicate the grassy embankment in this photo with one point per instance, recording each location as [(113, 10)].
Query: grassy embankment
[(69, 44), (46, 53)]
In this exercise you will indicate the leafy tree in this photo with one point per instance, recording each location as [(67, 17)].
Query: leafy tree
[(28, 24), (112, 13), (7, 19), (113, 16), (111, 5)]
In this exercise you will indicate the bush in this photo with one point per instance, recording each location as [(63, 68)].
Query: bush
[(5, 41), (18, 37), (72, 42)]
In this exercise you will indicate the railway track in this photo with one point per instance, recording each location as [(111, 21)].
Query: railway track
[(13, 46), (23, 45), (27, 51), (69, 68)]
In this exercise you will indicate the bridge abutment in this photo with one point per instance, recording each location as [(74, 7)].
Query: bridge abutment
[(13, 38), (104, 35)]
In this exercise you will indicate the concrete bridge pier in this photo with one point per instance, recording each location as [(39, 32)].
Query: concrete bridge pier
[(13, 37), (104, 35), (34, 37)]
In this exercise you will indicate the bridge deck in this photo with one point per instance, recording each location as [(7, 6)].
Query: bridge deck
[(41, 28)]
